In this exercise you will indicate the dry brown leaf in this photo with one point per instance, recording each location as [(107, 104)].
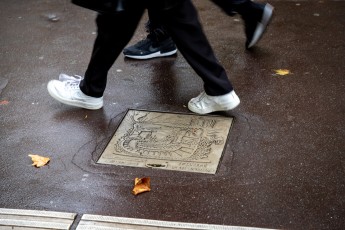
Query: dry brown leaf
[(141, 185), (39, 161), (4, 102)]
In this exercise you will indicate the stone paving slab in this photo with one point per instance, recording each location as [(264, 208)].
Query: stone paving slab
[(33, 219), (97, 222)]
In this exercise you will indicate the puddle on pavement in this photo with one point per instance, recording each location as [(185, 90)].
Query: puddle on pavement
[(181, 142)]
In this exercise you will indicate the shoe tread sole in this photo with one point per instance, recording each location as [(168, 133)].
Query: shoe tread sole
[(153, 55)]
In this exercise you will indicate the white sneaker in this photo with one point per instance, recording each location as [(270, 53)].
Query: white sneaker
[(204, 103), (69, 93), (65, 77)]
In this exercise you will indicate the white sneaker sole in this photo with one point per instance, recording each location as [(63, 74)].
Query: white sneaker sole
[(153, 55), (52, 92), (261, 27)]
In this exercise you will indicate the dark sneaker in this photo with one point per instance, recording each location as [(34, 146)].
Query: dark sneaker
[(256, 25), (147, 48)]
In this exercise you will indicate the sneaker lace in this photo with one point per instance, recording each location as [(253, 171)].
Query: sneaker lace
[(201, 96), (72, 84), (64, 77), (196, 101)]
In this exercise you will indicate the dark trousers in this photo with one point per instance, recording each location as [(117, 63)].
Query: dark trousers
[(246, 8), (229, 6), (115, 31)]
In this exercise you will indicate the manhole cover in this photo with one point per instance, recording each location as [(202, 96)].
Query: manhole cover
[(181, 142)]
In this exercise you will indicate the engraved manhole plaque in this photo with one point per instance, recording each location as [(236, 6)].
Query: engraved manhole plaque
[(182, 142)]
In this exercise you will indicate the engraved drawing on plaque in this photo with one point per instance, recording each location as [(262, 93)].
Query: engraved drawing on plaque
[(169, 141)]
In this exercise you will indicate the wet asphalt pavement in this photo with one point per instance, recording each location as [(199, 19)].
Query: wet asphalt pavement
[(284, 163)]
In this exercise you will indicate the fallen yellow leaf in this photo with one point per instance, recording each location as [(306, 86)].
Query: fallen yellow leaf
[(39, 161), (141, 185), (282, 71)]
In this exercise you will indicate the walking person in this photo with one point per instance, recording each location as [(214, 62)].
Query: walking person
[(158, 43), (181, 21)]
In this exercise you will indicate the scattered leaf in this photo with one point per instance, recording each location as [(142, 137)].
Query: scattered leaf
[(282, 72), (141, 185), (39, 161), (4, 102)]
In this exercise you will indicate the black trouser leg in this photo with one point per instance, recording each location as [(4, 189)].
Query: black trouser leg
[(114, 32), (157, 32), (183, 24), (228, 6)]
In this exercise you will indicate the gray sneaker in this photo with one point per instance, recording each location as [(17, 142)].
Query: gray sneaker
[(204, 103), (69, 93)]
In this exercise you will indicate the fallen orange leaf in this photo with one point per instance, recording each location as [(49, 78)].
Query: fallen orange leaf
[(4, 102), (141, 185), (39, 161), (282, 72)]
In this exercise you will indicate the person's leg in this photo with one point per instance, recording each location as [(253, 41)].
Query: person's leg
[(158, 42), (157, 31), (256, 17), (227, 5), (112, 37), (183, 24)]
